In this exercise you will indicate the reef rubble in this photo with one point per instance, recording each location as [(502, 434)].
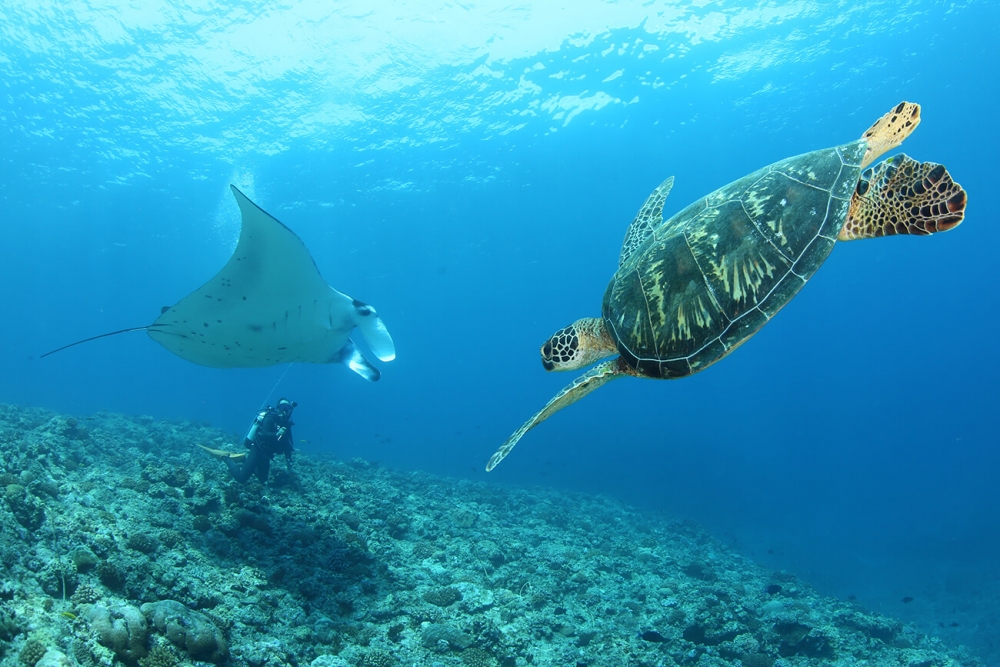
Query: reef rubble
[(122, 543)]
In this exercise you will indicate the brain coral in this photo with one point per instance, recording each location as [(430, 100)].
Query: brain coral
[(120, 627), (188, 629)]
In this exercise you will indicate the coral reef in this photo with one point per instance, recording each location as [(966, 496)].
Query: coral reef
[(122, 544), (187, 629), (120, 627), (32, 651), (55, 658), (159, 656)]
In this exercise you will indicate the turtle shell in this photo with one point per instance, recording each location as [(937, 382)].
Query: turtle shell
[(708, 278)]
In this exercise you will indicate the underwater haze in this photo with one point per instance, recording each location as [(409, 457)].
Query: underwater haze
[(470, 169)]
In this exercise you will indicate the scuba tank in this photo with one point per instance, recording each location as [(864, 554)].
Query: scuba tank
[(252, 433)]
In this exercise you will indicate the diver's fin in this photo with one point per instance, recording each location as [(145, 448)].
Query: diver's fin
[(223, 454)]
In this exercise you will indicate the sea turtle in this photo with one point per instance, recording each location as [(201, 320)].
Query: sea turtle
[(691, 289)]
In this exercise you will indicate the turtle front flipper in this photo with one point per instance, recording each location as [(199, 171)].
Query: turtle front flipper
[(580, 387), (890, 130), (903, 196)]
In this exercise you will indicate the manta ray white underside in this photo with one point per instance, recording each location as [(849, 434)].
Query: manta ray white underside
[(268, 305)]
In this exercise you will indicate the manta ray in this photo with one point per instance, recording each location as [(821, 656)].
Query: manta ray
[(268, 305)]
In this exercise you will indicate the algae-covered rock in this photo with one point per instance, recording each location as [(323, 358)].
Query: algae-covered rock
[(27, 510), (329, 661), (442, 637), (187, 629), (442, 597), (10, 625), (83, 558), (120, 627), (55, 658)]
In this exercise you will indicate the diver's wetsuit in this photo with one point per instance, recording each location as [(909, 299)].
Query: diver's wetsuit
[(270, 434)]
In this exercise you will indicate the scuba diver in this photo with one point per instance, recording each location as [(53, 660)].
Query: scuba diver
[(270, 434)]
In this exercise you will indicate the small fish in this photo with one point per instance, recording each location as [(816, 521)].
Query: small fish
[(907, 600), (652, 636)]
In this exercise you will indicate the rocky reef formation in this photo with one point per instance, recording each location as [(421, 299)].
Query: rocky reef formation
[(122, 543)]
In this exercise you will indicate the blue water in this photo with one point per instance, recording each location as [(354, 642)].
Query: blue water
[(470, 171)]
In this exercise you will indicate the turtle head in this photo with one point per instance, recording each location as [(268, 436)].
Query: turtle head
[(578, 345)]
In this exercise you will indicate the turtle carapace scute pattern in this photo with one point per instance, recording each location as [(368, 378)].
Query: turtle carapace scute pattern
[(692, 288), (716, 272)]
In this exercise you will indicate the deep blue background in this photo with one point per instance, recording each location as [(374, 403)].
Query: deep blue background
[(479, 202)]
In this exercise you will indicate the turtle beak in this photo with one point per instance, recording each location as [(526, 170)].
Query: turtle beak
[(546, 352)]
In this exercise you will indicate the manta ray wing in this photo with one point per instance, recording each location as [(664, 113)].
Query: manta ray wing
[(268, 305)]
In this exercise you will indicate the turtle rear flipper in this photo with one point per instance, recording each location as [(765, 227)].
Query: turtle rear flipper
[(903, 196), (580, 387)]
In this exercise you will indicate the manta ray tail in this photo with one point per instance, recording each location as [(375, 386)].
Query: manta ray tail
[(87, 340)]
